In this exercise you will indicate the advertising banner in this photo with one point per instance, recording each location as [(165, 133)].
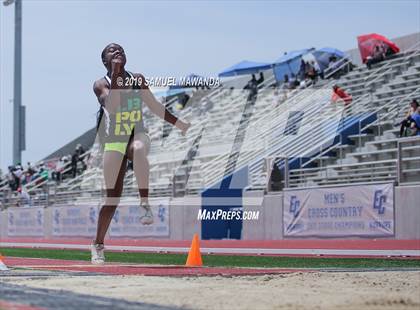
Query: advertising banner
[(25, 221), (126, 221), (360, 210), (70, 221)]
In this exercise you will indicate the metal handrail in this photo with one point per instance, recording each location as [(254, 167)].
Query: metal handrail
[(360, 130), (346, 62), (401, 158), (375, 112), (298, 176), (34, 184), (387, 115), (332, 147), (277, 123)]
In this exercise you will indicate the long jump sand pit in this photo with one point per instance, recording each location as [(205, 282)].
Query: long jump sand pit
[(299, 290)]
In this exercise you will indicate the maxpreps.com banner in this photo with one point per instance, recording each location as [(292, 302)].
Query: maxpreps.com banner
[(126, 221), (74, 221), (25, 221), (363, 210)]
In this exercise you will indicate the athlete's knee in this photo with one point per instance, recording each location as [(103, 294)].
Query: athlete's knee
[(139, 149)]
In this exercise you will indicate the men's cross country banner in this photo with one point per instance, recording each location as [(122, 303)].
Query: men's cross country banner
[(25, 221), (126, 221), (70, 221), (363, 210)]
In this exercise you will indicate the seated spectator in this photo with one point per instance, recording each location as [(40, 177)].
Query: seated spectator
[(339, 94), (302, 70), (310, 72), (286, 79), (317, 68), (74, 161), (80, 150), (31, 169), (407, 122), (25, 198), (415, 126), (252, 87), (59, 167), (13, 178), (294, 82), (378, 55), (27, 177)]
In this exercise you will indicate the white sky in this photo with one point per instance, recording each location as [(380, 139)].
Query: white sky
[(62, 42)]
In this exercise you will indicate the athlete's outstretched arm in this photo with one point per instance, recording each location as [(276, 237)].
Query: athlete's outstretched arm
[(160, 110)]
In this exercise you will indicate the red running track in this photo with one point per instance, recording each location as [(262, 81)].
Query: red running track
[(17, 306)]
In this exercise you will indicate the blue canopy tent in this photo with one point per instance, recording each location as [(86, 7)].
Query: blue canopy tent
[(289, 63), (323, 55), (245, 67)]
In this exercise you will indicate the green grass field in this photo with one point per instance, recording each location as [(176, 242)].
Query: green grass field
[(220, 260)]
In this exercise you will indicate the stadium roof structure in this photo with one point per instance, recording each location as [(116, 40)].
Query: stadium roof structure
[(245, 67), (86, 140)]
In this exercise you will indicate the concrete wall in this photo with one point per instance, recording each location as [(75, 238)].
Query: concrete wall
[(269, 226), (183, 216), (407, 212)]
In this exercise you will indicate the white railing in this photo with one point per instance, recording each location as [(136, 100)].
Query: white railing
[(341, 64), (390, 107), (258, 132)]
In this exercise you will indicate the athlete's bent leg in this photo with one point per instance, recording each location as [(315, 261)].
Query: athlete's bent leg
[(138, 150), (114, 171), (141, 169)]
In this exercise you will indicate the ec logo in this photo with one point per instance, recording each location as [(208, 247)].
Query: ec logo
[(116, 216), (294, 206), (378, 200), (57, 217), (39, 218), (92, 215), (161, 213), (11, 219)]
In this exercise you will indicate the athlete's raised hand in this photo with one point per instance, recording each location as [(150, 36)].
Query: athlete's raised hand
[(117, 66)]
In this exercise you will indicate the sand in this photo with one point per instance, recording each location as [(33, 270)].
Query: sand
[(320, 290)]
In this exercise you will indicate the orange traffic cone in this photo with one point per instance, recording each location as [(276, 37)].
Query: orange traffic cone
[(3, 267), (194, 256)]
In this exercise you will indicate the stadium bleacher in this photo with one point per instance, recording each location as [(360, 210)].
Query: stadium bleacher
[(323, 143), (372, 154)]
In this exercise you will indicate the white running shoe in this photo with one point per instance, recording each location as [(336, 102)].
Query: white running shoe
[(146, 215), (97, 251)]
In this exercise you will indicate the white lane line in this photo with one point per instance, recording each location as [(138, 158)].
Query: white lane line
[(341, 252)]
